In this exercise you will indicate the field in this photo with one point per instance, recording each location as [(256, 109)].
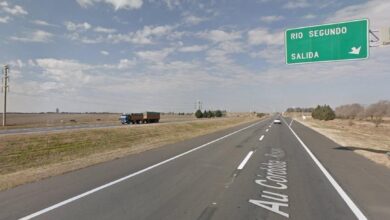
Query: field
[(30, 157), (360, 136), (27, 120)]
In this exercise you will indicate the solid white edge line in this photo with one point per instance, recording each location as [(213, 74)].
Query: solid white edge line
[(242, 164), (261, 138), (35, 214), (359, 214)]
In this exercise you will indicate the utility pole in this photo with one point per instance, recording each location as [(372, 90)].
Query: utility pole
[(5, 89)]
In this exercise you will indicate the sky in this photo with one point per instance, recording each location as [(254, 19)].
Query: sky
[(164, 55)]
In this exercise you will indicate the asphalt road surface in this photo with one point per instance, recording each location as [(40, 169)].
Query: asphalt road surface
[(254, 171)]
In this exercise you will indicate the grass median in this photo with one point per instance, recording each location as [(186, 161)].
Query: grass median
[(26, 158)]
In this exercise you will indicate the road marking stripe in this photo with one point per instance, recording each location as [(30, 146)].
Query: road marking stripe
[(242, 164), (261, 138), (359, 214), (291, 122), (267, 130), (33, 215)]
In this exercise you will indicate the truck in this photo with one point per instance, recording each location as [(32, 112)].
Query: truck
[(137, 118)]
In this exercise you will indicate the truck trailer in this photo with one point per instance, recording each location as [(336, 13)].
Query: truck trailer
[(137, 118)]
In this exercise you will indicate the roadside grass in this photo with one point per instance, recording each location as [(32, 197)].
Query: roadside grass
[(30, 157), (33, 120), (359, 136)]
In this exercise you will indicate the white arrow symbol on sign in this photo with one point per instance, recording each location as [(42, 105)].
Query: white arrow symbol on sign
[(355, 50)]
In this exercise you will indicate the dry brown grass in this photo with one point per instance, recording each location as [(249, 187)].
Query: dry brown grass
[(27, 120), (358, 135), (26, 158)]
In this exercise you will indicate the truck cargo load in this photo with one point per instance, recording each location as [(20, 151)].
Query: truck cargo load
[(137, 118), (151, 117)]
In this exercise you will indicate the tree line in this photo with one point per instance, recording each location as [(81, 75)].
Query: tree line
[(208, 114), (299, 109), (358, 111), (373, 112)]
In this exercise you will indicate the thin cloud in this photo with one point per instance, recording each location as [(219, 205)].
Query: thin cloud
[(271, 18), (5, 19), (191, 19), (42, 23), (293, 4), (13, 10), (104, 30), (263, 36), (220, 35), (105, 53), (376, 10), (70, 26), (193, 48), (116, 4), (309, 16), (37, 36)]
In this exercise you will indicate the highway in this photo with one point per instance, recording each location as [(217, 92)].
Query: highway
[(254, 171)]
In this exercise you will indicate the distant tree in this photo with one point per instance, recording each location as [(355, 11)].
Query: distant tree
[(324, 112), (377, 111), (290, 110), (205, 114), (349, 111), (299, 109), (198, 114), (210, 114), (218, 113)]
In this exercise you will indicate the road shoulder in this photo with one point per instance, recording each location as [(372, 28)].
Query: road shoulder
[(366, 182)]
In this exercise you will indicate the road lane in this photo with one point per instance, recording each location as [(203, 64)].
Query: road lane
[(27, 199), (221, 181), (309, 193), (181, 189)]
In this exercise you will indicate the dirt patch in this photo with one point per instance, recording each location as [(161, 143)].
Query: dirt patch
[(27, 158)]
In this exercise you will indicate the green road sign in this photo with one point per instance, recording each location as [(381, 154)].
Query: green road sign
[(329, 42)]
